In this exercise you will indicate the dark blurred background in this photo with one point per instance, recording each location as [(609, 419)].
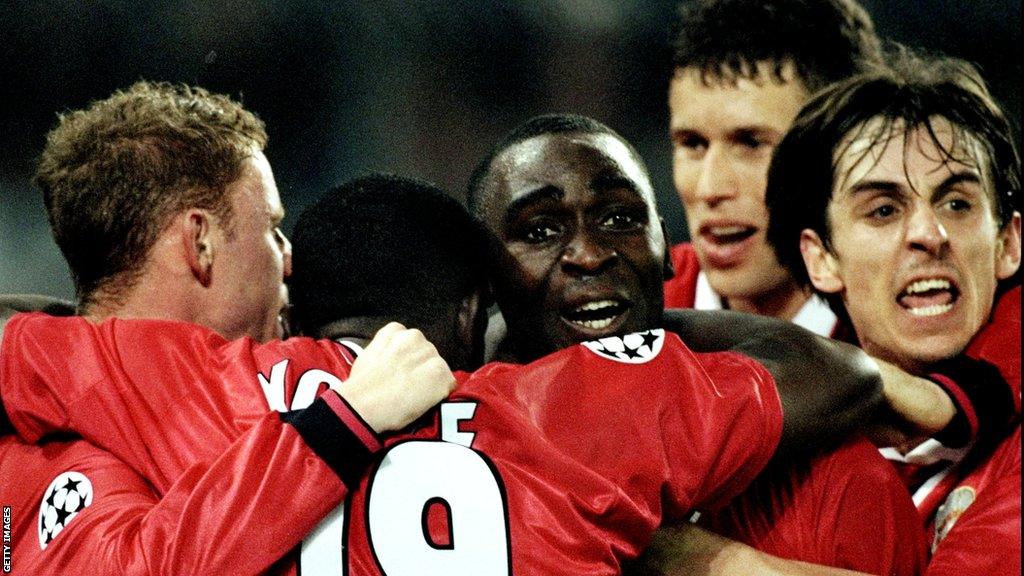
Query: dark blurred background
[(419, 88)]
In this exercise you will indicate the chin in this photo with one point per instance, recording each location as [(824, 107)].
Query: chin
[(921, 354)]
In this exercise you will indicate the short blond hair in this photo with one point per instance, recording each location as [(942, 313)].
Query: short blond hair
[(113, 173)]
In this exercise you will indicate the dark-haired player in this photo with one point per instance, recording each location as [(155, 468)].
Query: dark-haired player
[(743, 68), (572, 206), (896, 195)]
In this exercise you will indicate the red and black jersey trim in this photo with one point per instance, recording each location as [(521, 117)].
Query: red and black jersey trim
[(338, 435), (984, 400)]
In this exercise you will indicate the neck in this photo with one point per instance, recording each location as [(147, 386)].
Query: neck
[(157, 293), (782, 302)]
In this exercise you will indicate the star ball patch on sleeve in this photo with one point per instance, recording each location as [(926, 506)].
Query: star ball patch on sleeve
[(635, 348), (68, 494)]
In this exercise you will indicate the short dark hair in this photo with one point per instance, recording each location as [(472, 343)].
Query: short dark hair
[(913, 92), (113, 173), (537, 126), (384, 246), (825, 40)]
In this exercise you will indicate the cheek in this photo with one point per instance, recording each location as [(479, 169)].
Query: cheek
[(685, 173), (868, 283), (758, 212), (642, 258), (524, 275), (752, 175)]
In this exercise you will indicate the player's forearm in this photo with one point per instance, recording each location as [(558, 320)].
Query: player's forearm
[(692, 550), (918, 408), (827, 388)]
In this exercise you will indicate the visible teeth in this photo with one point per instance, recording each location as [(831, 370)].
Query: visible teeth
[(926, 285), (600, 304), (728, 230), (931, 310), (594, 324)]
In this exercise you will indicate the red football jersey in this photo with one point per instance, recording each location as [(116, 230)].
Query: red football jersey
[(182, 407), (71, 508), (563, 466), (978, 502), (998, 342), (976, 530), (44, 489), (846, 509)]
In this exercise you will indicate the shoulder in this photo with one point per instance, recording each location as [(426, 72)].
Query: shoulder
[(11, 304), (681, 289)]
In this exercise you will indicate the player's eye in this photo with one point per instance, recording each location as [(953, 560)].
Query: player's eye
[(621, 220), (882, 211), (690, 142), (538, 232), (958, 205), (279, 237), (751, 141)]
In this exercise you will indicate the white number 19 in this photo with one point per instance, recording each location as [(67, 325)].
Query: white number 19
[(413, 477)]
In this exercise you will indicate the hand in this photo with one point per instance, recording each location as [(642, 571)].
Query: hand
[(917, 408), (397, 377)]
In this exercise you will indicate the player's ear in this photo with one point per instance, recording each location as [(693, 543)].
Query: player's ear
[(822, 267), (668, 270), (197, 237), (469, 314), (1008, 255)]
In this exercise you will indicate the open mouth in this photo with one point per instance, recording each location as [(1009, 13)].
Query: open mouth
[(728, 234), (929, 297), (595, 315)]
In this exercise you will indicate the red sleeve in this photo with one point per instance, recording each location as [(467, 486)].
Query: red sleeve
[(678, 430), (984, 382), (216, 519), (846, 509), (740, 428), (224, 517), (197, 428), (710, 421), (998, 342), (117, 383)]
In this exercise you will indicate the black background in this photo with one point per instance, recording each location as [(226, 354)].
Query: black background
[(417, 88)]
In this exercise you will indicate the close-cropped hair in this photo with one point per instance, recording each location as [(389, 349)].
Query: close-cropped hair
[(536, 126), (113, 173), (824, 40), (913, 92), (384, 246)]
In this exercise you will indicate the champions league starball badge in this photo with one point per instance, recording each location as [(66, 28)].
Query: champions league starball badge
[(950, 511), (68, 494), (635, 348)]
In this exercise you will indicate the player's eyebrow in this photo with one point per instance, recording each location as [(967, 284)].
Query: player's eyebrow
[(762, 130), (963, 177), (606, 182), (872, 186), (966, 176), (531, 198)]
